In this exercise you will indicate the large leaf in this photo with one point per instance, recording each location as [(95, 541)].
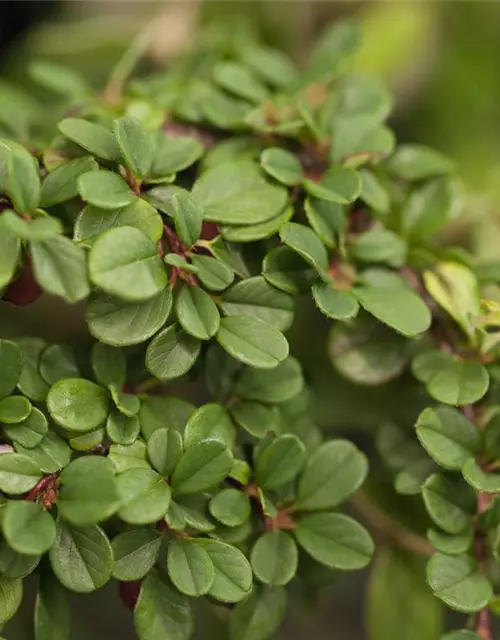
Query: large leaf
[(27, 528), (190, 567), (233, 574), (172, 353), (202, 467)]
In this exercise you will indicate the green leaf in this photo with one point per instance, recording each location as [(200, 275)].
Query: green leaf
[(447, 436), (254, 232), (14, 409), (286, 270), (231, 507), (93, 137), (161, 612), (87, 441), (174, 154), (105, 189), (379, 245), (461, 382), (239, 80), (334, 303), (460, 635), (410, 611), (333, 472), (201, 467), (59, 79), (480, 479), (252, 341), (21, 181), (457, 581), (194, 512), (52, 614), (144, 496), (451, 503), (12, 366), (164, 412), (93, 222), (135, 145), (89, 492), (109, 365), (416, 162), (60, 268), (257, 419), (197, 313), (237, 193), (11, 595), (9, 254), (282, 165), (258, 616), (15, 565), (171, 353), (190, 567), (78, 405), (61, 184), (27, 528), (122, 429), (255, 297), (131, 456), (18, 473), (335, 540), (328, 219), (275, 558), (339, 184), (81, 557), (30, 431), (427, 364), (233, 574), (57, 362), (135, 553), (210, 422), (126, 403), (188, 217), (164, 450), (212, 273), (271, 385), (451, 545), (33, 231), (279, 462), (397, 307), (374, 193), (31, 383), (51, 454), (271, 65), (431, 207), (118, 323), (124, 262), (306, 243)]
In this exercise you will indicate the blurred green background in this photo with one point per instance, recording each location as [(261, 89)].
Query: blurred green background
[(441, 61)]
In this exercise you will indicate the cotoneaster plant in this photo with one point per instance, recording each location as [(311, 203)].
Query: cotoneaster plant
[(190, 213)]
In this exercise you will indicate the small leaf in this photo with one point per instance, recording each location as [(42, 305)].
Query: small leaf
[(12, 366), (239, 80), (286, 270), (188, 217), (373, 192), (30, 431), (257, 419), (131, 456), (125, 263), (21, 181), (105, 189), (161, 612), (279, 462), (212, 273), (18, 473), (252, 341), (144, 496), (328, 219), (210, 422), (306, 243), (135, 145), (31, 383), (271, 385), (230, 507), (9, 254), (202, 467), (339, 184), (14, 409), (379, 245), (282, 165), (59, 79), (450, 503), (61, 184), (260, 231), (447, 436), (122, 429), (60, 268), (451, 545), (27, 528), (461, 382), (333, 472), (171, 353), (197, 313), (118, 323), (190, 567), (52, 614), (77, 404), (109, 365), (174, 154), (416, 162), (164, 450), (92, 137), (51, 454), (89, 492), (233, 574), (11, 595), (258, 616), (164, 412), (275, 558), (334, 303), (81, 558), (457, 581), (399, 308), (135, 553), (57, 362), (335, 540), (480, 479)]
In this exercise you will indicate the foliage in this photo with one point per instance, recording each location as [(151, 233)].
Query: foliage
[(191, 212)]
